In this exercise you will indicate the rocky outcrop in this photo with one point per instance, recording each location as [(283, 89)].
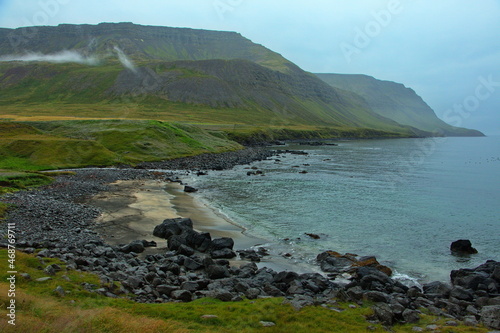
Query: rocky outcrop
[(364, 279), (462, 246)]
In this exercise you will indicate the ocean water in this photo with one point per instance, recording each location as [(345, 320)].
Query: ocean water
[(402, 200)]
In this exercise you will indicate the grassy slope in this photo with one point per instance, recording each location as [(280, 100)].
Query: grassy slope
[(40, 309), (237, 93), (65, 144)]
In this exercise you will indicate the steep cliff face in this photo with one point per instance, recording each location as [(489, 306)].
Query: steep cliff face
[(228, 75), (395, 101), (244, 90), (139, 42)]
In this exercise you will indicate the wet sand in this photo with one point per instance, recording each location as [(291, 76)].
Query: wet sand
[(132, 209)]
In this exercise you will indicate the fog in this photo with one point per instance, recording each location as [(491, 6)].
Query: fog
[(59, 57)]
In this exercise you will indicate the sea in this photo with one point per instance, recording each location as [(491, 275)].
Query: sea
[(402, 200)]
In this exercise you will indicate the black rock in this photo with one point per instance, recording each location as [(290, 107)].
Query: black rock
[(411, 316), (217, 272), (190, 189), (182, 295), (190, 286), (285, 277), (166, 289), (192, 264), (223, 253), (196, 240), (185, 250), (490, 316), (149, 243), (249, 255), (135, 246), (170, 227), (176, 241), (377, 296), (462, 246), (437, 288), (383, 313), (461, 293), (222, 243)]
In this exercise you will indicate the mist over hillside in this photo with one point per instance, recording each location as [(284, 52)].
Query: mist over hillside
[(154, 67)]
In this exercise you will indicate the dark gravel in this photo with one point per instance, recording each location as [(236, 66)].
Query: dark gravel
[(55, 214), (221, 161)]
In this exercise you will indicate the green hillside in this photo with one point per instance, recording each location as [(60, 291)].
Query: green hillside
[(229, 79), (395, 101), (140, 42), (208, 91), (66, 144)]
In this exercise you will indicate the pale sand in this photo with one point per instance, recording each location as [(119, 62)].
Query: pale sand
[(132, 209)]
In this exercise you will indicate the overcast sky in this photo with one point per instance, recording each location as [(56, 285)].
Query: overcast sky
[(448, 51)]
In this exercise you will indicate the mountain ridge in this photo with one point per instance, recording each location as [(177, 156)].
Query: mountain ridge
[(173, 69), (395, 101)]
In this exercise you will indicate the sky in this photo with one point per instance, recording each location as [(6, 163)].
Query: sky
[(448, 51)]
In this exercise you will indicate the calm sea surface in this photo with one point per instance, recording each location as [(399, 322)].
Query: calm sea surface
[(402, 200)]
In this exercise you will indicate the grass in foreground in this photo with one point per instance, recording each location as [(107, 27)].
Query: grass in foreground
[(40, 309)]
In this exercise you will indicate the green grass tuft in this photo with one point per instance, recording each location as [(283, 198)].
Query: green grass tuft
[(11, 182)]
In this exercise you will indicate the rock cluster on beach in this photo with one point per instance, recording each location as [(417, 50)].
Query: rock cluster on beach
[(51, 222), (473, 295)]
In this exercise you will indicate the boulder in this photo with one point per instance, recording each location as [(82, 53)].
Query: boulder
[(313, 236), (221, 294), (333, 264), (149, 243), (217, 272), (377, 297), (490, 316), (190, 189), (285, 277), (185, 250), (170, 227), (462, 246), (198, 241), (371, 278), (190, 286), (383, 313), (252, 293), (411, 316), (136, 246), (223, 253), (437, 288), (249, 255), (192, 264), (222, 243), (166, 289), (176, 241), (182, 295)]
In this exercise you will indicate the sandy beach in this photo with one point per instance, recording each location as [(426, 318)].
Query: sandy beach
[(131, 209)]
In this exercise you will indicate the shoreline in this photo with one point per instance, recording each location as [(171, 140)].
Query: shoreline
[(131, 209), (55, 222)]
